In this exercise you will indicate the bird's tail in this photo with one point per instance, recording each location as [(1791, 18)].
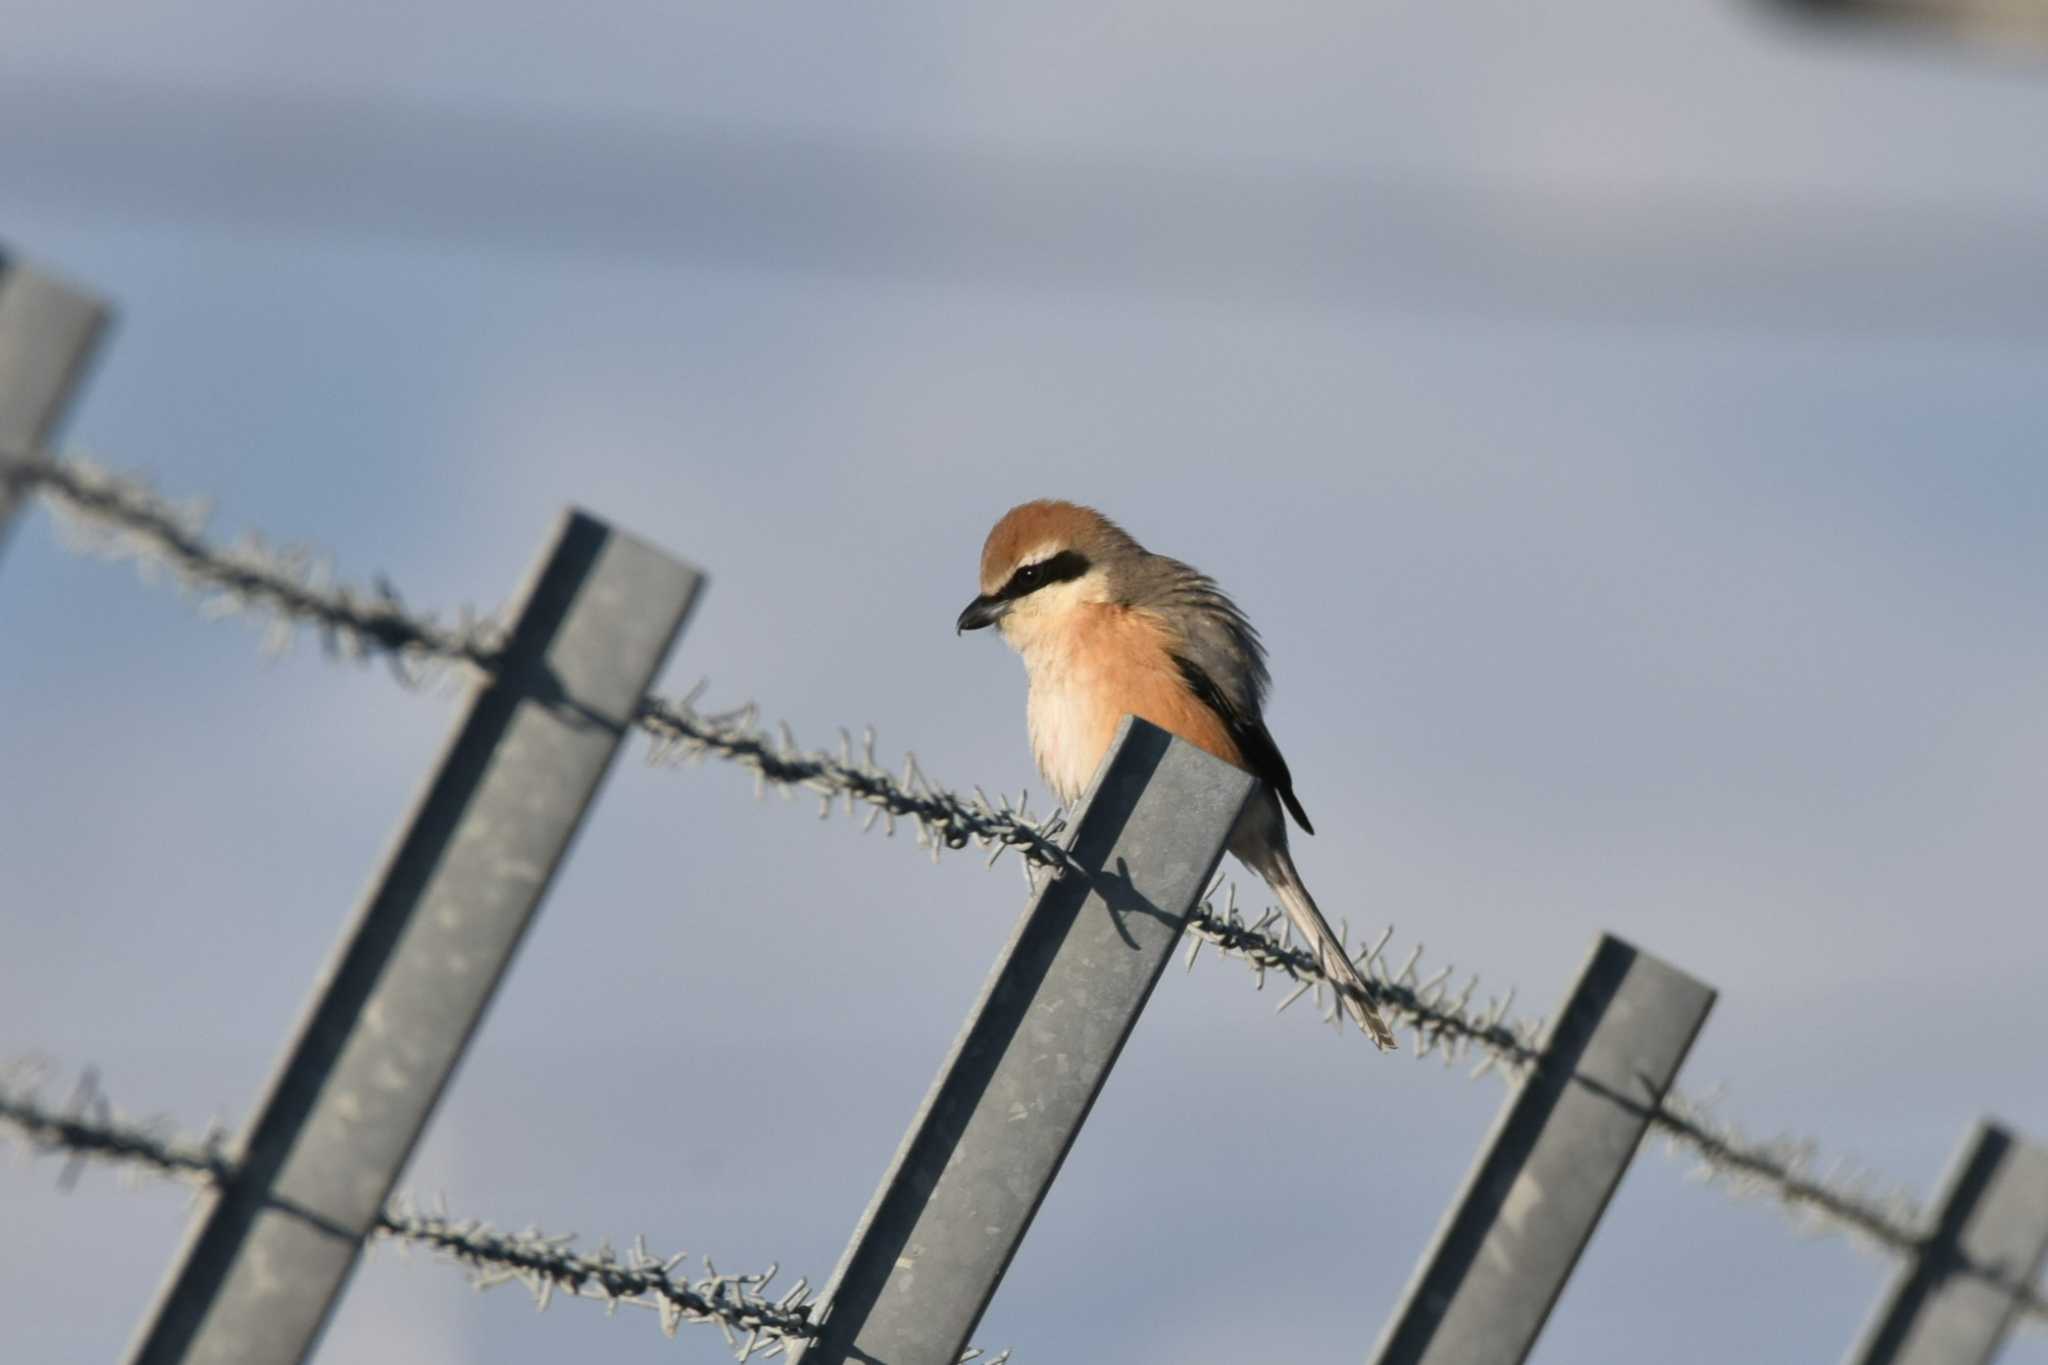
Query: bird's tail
[(1337, 967)]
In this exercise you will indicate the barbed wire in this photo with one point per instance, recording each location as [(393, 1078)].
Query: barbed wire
[(122, 517), (1443, 1019), (855, 776), (89, 1130)]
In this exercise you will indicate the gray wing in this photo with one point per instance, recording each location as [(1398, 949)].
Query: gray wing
[(1223, 662)]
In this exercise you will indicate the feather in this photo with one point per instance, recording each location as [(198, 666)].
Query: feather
[(1260, 755), (1336, 964)]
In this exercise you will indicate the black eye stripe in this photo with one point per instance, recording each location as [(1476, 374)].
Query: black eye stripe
[(1063, 567)]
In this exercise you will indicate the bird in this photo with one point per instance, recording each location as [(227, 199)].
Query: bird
[(1106, 628)]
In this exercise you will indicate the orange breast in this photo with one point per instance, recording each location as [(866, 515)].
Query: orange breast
[(1123, 661)]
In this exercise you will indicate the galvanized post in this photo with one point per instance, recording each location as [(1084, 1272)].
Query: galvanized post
[(1053, 1015), (1558, 1149), (1993, 1221), (269, 1254), (49, 333)]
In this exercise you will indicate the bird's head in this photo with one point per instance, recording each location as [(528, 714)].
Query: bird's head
[(1043, 561)]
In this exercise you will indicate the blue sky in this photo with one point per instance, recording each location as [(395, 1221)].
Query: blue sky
[(1626, 430)]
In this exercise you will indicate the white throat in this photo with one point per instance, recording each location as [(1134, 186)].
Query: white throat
[(1066, 697)]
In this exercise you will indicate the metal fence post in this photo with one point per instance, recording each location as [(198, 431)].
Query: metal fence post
[(1994, 1217), (418, 962), (1565, 1136), (49, 333), (1052, 1017)]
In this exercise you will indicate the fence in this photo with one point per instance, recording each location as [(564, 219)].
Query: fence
[(558, 686)]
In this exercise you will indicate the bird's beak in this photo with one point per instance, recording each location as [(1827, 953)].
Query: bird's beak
[(982, 611)]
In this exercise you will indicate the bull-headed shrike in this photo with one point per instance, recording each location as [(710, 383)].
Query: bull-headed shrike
[(1109, 629)]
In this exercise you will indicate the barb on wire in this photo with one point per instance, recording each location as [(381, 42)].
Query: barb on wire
[(122, 517), (754, 1322), (90, 1129)]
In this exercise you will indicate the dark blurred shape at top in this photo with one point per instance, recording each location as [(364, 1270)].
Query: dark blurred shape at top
[(2018, 26)]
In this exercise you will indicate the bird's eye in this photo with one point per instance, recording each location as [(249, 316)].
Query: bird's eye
[(1031, 575)]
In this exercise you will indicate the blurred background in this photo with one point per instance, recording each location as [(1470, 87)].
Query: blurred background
[(1625, 422)]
